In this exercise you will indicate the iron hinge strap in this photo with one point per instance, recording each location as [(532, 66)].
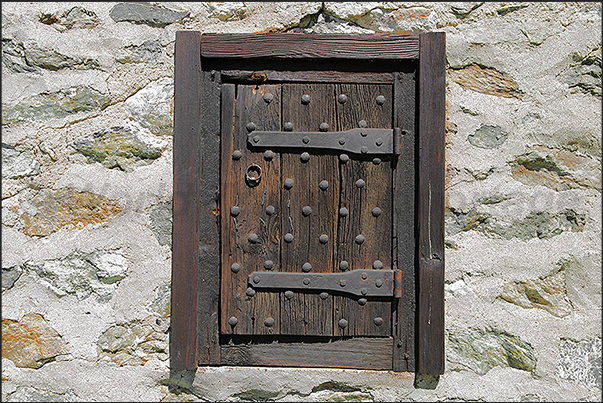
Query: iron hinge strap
[(355, 141), (360, 282)]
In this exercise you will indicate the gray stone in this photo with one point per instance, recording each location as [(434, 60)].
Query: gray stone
[(132, 343), (9, 276), (152, 106), (78, 17), (488, 136), (83, 274), (30, 394), (547, 292), (17, 164), (541, 225), (326, 23), (486, 80), (49, 59), (145, 13), (462, 9), (13, 57), (481, 351), (509, 8), (162, 303), (556, 168), (161, 223), (457, 221), (118, 148), (226, 11), (55, 105), (580, 361), (148, 52), (585, 74)]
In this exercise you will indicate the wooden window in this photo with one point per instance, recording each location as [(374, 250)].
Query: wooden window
[(308, 221)]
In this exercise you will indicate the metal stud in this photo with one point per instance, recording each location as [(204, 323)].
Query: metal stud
[(360, 183), (362, 301), (324, 295), (288, 126), (343, 283), (268, 264), (270, 210), (232, 321), (364, 276), (306, 210), (378, 264), (376, 161), (234, 211), (256, 279), (342, 98), (288, 183), (289, 294), (306, 281), (341, 141), (360, 239), (376, 212), (305, 139), (364, 149), (235, 267), (363, 291), (323, 127), (268, 155), (323, 185), (236, 155), (250, 292), (378, 321), (288, 237), (363, 133), (256, 139), (344, 158), (306, 267), (362, 123), (344, 265), (269, 322), (253, 238), (343, 212), (250, 127), (323, 238), (305, 99), (379, 142), (378, 283), (305, 157), (268, 97), (380, 100), (343, 323)]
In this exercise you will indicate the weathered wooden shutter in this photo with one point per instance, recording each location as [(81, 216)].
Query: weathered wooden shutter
[(308, 201)]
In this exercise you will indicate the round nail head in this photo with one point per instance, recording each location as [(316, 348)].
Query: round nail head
[(344, 158), (362, 301), (288, 183), (268, 97), (360, 183), (306, 267), (305, 99), (377, 264), (323, 185), (288, 126), (323, 238), (270, 210), (380, 100), (362, 123), (253, 238), (289, 294), (269, 322), (378, 321), (305, 157), (306, 210), (360, 239), (233, 321), (324, 295), (343, 212), (342, 98), (343, 323), (268, 264), (234, 211), (268, 155), (250, 292), (236, 155), (323, 127), (376, 212), (250, 127), (288, 237), (344, 265), (235, 268)]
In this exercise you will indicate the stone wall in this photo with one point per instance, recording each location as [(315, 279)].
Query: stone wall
[(87, 97)]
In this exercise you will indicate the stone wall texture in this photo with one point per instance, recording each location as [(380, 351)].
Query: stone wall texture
[(87, 118)]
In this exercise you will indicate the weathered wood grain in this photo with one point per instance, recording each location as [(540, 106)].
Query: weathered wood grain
[(260, 106), (432, 87), (308, 313), (332, 76), (364, 353), (297, 45), (361, 105), (187, 107), (404, 218)]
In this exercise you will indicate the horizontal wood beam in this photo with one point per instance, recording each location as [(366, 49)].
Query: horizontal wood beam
[(297, 45), (362, 353), (262, 76)]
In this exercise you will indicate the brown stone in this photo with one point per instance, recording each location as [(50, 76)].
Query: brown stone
[(50, 210), (486, 80), (31, 342)]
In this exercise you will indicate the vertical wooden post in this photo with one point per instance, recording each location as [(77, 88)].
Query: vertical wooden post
[(187, 127), (432, 88)]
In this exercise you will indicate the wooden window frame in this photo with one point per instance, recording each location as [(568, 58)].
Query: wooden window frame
[(195, 296)]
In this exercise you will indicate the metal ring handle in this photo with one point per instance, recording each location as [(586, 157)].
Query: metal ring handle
[(253, 175)]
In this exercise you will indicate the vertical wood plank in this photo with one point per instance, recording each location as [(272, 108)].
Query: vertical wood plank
[(404, 219), (373, 105), (187, 111), (251, 237), (308, 313), (432, 87), (208, 270)]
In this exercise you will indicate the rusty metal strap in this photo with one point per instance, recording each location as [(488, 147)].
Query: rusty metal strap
[(361, 282)]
